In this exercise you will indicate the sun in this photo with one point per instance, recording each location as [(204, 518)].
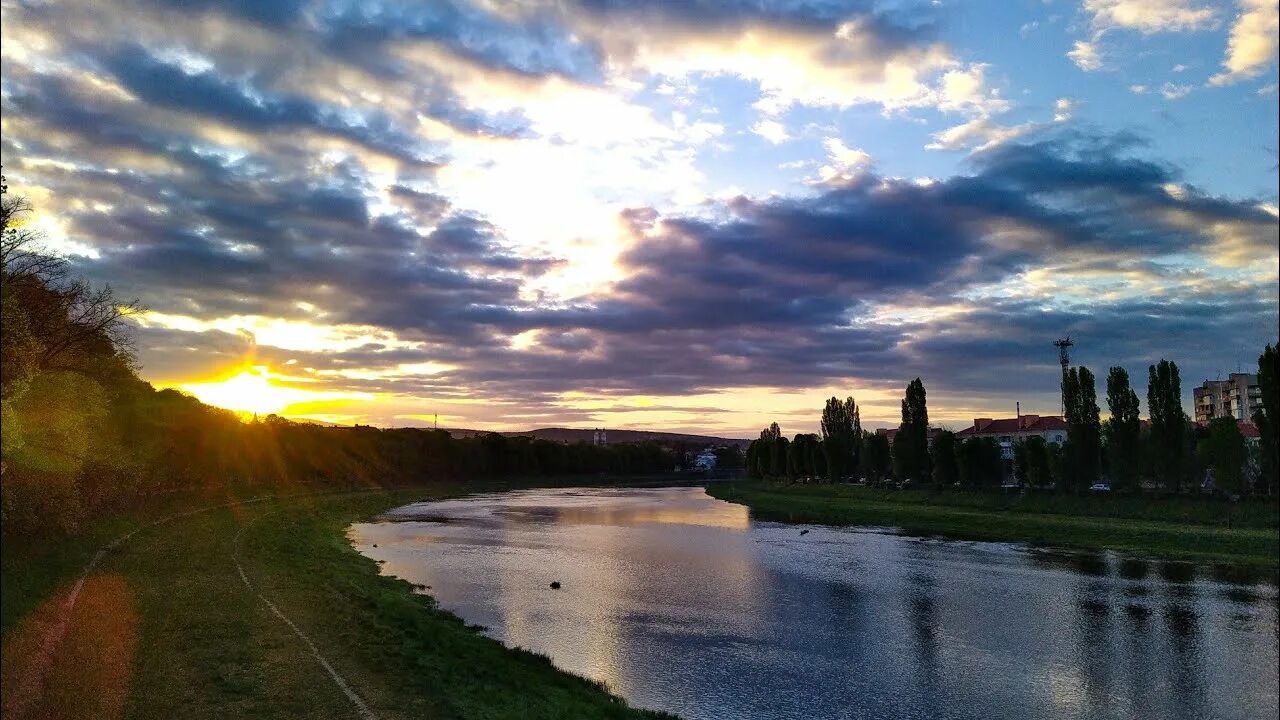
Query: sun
[(252, 391)]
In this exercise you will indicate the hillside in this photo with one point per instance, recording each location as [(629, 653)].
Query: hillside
[(613, 437)]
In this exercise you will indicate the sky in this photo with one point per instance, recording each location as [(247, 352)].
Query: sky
[(685, 216)]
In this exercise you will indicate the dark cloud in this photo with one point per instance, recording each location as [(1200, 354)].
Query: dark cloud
[(537, 42), (782, 291), (243, 104), (269, 12), (796, 292)]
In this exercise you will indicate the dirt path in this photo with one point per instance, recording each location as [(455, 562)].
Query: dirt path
[(40, 653), (340, 681), (31, 683)]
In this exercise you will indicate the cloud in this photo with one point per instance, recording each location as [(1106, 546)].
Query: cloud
[(1150, 16), (1146, 17), (1063, 109), (470, 209), (771, 130), (843, 162), (1174, 91), (1086, 55), (1252, 45), (982, 133), (803, 54), (978, 134)]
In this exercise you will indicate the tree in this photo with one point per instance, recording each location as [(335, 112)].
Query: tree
[(795, 457), (53, 320), (979, 462), (1224, 452), (946, 471), (1084, 432), (760, 454), (753, 459), (911, 443), (1168, 423), (1267, 417), (729, 457), (800, 461), (778, 457), (1123, 431), (855, 440), (841, 436), (1031, 461), (875, 456)]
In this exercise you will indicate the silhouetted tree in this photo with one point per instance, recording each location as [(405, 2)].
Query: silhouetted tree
[(911, 443), (841, 437), (803, 448), (876, 458), (946, 471), (1031, 461), (1267, 417), (1168, 423), (1223, 452), (1083, 446), (778, 457), (979, 462), (1123, 431)]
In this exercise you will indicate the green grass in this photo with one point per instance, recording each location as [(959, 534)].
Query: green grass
[(1187, 529), (198, 644)]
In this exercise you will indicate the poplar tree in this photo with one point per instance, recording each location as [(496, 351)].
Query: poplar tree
[(1123, 430), (1168, 424), (1267, 417), (911, 444)]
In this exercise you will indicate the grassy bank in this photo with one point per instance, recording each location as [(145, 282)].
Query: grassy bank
[(1242, 535), (165, 627)]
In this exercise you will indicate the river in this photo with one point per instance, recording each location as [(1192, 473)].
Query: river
[(681, 602)]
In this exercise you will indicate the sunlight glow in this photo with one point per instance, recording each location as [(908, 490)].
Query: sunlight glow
[(254, 391)]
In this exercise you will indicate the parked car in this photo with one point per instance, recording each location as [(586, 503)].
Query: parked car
[(1100, 487)]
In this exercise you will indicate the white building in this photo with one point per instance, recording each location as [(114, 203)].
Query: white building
[(706, 460), (1008, 431)]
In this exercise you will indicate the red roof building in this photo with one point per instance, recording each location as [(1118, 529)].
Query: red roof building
[(1251, 433), (1007, 431)]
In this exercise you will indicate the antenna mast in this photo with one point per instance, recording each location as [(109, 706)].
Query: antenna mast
[(1064, 357)]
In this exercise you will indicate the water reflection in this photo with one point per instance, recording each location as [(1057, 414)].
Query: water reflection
[(923, 613), (680, 602)]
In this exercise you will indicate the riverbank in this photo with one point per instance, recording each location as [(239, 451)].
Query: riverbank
[(187, 618), (1243, 536)]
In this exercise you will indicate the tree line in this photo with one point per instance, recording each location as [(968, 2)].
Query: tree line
[(1168, 451), (82, 434)]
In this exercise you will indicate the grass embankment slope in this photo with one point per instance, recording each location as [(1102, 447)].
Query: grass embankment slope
[(164, 626), (1245, 535)]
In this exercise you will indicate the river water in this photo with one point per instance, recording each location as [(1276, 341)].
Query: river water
[(681, 602)]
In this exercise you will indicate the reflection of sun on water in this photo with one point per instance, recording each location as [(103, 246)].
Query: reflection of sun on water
[(254, 391)]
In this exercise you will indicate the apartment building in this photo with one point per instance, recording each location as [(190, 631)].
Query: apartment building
[(1236, 397)]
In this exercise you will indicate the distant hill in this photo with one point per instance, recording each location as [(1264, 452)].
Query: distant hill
[(573, 435)]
